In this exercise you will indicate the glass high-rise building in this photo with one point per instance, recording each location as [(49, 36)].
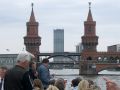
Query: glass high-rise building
[(58, 43), (59, 40), (79, 48)]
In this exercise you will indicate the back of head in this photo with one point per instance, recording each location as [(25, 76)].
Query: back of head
[(90, 82), (60, 84), (45, 60), (51, 87), (79, 79), (76, 81), (52, 82), (25, 56), (83, 85), (38, 83)]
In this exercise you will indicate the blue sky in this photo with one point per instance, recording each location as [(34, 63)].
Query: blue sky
[(63, 14)]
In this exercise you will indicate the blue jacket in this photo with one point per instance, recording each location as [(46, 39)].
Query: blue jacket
[(44, 75)]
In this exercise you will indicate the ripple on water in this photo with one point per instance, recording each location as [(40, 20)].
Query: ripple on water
[(70, 74)]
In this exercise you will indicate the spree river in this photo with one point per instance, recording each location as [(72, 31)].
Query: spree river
[(69, 74)]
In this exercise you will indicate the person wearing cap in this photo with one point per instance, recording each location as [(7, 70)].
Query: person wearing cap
[(16, 78), (43, 72)]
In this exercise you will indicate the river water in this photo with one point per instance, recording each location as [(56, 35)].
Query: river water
[(69, 74)]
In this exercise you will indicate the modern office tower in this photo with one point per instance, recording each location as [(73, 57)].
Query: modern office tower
[(79, 48), (59, 40), (114, 48), (58, 43)]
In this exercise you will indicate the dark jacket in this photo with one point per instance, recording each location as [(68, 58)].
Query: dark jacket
[(17, 79), (32, 74)]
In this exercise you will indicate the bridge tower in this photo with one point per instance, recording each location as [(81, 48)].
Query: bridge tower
[(89, 39), (32, 40), (89, 42)]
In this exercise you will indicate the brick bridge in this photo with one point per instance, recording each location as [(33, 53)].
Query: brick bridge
[(103, 66), (94, 67), (85, 66)]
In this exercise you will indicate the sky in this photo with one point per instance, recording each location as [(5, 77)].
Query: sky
[(58, 14)]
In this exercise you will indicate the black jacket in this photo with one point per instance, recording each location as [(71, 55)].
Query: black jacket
[(17, 79)]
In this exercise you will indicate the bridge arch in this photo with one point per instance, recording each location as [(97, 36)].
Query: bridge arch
[(111, 58), (61, 56), (101, 67), (117, 58), (89, 58)]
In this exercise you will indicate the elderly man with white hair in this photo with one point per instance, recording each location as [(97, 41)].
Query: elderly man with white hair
[(16, 78)]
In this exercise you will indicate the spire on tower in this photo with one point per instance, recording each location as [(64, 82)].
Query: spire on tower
[(32, 5), (32, 17), (89, 5), (89, 18)]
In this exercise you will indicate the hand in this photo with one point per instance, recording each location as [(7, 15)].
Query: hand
[(111, 85), (36, 74)]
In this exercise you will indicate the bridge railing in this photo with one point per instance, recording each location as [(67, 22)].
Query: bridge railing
[(108, 61), (100, 61)]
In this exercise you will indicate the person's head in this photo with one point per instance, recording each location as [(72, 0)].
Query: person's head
[(90, 82), (75, 82), (38, 83), (60, 83), (32, 65), (83, 85), (23, 59), (3, 71), (51, 87), (93, 85), (45, 61), (52, 82)]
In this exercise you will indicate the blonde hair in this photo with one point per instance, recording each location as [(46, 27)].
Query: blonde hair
[(51, 87), (38, 83), (83, 85)]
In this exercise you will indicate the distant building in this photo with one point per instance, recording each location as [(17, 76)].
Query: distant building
[(114, 48), (59, 40), (8, 60), (79, 48), (58, 43)]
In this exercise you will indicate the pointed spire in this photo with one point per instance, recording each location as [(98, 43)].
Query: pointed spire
[(32, 17), (89, 18)]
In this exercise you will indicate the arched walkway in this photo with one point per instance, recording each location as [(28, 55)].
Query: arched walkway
[(100, 67)]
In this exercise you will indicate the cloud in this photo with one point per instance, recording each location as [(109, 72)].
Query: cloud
[(51, 14)]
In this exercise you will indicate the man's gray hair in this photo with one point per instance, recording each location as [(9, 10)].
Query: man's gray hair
[(25, 56)]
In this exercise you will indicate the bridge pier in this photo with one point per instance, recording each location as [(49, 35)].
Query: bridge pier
[(87, 68)]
